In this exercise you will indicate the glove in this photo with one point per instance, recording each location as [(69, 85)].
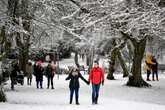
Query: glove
[(102, 82)]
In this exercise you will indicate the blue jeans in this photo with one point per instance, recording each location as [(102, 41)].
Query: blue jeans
[(95, 92), (72, 90)]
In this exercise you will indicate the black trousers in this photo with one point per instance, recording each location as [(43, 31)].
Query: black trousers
[(13, 82), (148, 74), (155, 73), (50, 79), (39, 83)]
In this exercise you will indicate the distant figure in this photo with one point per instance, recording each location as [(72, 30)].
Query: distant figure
[(147, 66), (155, 69), (96, 77), (50, 74), (39, 74), (13, 75), (29, 71), (74, 85)]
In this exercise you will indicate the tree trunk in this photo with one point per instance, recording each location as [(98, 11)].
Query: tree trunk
[(123, 65), (23, 59), (91, 58), (76, 59), (115, 53), (2, 94), (112, 61), (6, 48), (111, 70), (130, 51), (18, 10), (136, 79)]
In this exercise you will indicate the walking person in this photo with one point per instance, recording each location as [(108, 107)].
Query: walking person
[(74, 84), (39, 74), (96, 77), (29, 71), (50, 75), (155, 69), (14, 73)]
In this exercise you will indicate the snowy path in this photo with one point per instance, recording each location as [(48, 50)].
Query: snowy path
[(113, 96)]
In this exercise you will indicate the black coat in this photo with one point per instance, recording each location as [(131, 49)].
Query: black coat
[(74, 80), (39, 73), (49, 71), (154, 67), (15, 69)]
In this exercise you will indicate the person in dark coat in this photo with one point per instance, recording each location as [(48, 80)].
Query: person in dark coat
[(50, 75), (39, 75), (13, 75), (154, 68), (74, 84)]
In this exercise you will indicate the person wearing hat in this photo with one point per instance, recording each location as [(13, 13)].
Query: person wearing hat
[(96, 77)]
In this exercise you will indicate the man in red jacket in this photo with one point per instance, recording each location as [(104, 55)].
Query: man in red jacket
[(96, 77)]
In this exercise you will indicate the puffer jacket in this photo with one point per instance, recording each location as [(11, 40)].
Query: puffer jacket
[(96, 75)]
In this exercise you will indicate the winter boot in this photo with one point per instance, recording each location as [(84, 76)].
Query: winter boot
[(93, 100), (77, 102), (153, 79), (70, 102), (148, 79), (96, 100)]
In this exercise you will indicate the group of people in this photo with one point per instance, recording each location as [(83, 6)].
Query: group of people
[(38, 71), (96, 77), (151, 66), (49, 70)]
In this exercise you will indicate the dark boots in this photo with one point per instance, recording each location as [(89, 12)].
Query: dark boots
[(77, 102), (71, 98), (95, 100)]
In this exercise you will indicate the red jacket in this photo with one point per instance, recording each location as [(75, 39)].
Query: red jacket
[(96, 75)]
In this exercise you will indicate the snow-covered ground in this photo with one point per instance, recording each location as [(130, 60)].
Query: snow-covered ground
[(114, 95)]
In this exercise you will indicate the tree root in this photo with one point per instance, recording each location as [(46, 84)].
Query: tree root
[(137, 83)]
